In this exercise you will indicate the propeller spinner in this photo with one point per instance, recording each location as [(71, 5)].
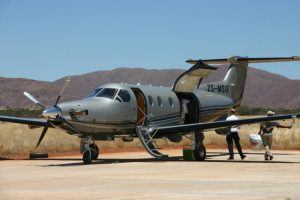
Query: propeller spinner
[(52, 113)]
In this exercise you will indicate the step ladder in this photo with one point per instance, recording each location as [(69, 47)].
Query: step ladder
[(148, 143)]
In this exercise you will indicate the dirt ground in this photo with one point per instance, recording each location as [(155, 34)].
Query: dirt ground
[(134, 175)]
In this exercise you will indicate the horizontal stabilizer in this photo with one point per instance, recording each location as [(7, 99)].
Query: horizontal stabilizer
[(236, 59)]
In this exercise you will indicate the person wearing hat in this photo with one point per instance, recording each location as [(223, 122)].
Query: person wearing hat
[(266, 129), (233, 136)]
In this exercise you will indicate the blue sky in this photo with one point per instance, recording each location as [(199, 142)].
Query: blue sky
[(46, 40)]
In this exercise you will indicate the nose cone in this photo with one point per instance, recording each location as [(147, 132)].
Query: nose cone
[(51, 112)]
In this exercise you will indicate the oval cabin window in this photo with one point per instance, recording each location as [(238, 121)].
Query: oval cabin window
[(159, 101), (150, 99), (171, 102)]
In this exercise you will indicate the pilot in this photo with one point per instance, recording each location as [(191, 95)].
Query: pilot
[(233, 136), (266, 129)]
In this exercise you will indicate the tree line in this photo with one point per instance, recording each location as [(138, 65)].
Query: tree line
[(245, 110), (22, 112)]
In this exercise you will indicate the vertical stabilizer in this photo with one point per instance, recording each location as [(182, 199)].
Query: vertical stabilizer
[(235, 79)]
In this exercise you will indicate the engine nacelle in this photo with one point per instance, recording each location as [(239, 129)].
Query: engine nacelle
[(223, 131)]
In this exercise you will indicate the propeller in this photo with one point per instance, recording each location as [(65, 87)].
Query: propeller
[(52, 113), (67, 82), (42, 134), (29, 96)]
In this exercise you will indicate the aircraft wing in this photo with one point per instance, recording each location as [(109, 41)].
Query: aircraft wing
[(218, 124), (20, 120)]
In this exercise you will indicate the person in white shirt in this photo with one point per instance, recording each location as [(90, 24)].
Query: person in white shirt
[(233, 136)]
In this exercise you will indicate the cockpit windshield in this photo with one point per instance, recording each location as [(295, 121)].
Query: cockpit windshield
[(107, 93), (111, 93), (123, 96), (94, 92)]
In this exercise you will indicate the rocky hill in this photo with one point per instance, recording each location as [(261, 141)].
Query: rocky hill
[(263, 89)]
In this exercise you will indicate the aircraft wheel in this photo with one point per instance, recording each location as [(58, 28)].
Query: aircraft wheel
[(38, 155), (200, 152), (87, 157), (95, 151)]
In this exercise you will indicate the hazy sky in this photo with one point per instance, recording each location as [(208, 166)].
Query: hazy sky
[(47, 40)]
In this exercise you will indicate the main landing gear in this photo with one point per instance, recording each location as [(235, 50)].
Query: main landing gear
[(90, 151), (199, 149)]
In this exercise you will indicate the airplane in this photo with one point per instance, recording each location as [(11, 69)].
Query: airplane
[(129, 111)]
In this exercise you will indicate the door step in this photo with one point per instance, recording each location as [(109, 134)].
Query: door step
[(149, 144)]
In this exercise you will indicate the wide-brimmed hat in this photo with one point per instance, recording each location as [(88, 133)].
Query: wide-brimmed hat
[(233, 111)]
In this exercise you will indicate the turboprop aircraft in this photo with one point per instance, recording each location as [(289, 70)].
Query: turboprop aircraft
[(130, 111)]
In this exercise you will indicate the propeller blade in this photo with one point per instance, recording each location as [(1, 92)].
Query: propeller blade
[(42, 135), (67, 82), (70, 125), (29, 96)]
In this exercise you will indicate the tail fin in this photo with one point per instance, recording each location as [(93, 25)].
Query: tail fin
[(235, 78)]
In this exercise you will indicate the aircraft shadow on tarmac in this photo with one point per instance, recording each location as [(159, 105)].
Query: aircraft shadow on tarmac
[(169, 159)]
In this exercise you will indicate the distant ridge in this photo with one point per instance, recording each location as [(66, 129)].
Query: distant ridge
[(263, 89)]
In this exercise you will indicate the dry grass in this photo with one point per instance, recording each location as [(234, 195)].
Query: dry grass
[(16, 139)]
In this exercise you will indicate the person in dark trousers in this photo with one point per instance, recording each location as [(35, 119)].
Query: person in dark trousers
[(266, 129), (233, 136)]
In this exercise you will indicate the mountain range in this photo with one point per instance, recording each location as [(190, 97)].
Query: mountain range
[(263, 89)]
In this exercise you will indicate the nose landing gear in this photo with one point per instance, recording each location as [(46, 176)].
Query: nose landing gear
[(90, 151)]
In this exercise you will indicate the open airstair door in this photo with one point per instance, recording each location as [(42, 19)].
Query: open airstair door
[(190, 80)]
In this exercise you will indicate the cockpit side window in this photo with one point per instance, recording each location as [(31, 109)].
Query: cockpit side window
[(124, 95), (94, 92), (107, 93)]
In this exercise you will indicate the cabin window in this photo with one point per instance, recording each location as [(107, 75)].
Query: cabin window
[(107, 93), (94, 92), (171, 102), (123, 95), (150, 99), (159, 101)]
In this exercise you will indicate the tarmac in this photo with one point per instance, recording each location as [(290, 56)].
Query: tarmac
[(135, 175)]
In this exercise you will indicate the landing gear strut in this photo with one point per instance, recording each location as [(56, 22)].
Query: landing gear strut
[(90, 151), (199, 148)]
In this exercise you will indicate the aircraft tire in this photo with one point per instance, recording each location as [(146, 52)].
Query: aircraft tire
[(95, 151), (87, 157), (37, 155), (200, 152)]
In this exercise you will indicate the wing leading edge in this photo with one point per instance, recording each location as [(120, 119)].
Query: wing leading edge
[(20, 120), (218, 124)]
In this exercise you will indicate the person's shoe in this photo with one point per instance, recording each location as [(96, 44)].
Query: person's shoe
[(266, 157), (271, 157), (243, 156), (230, 158)]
